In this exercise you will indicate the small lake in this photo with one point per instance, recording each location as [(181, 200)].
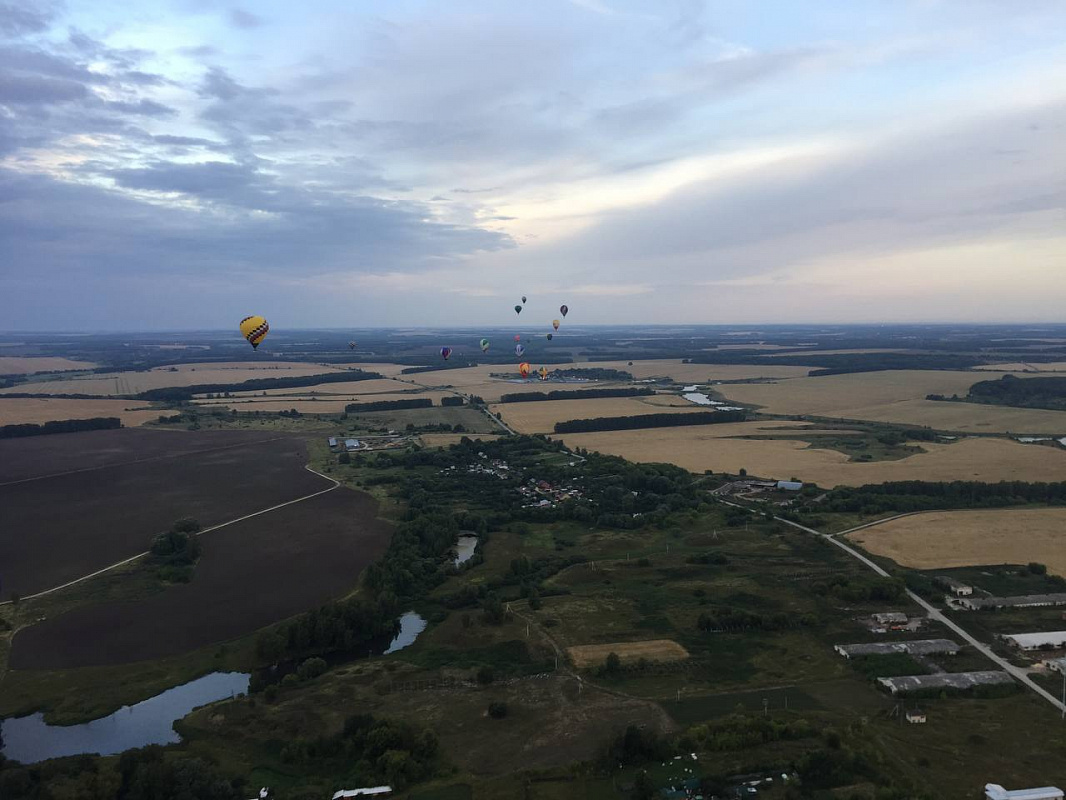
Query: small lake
[(464, 549), (29, 739), (699, 399), (411, 625)]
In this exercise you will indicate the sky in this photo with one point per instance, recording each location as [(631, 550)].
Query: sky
[(181, 164)]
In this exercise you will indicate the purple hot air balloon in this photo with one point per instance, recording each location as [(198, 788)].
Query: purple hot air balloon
[(519, 349), (445, 352), (563, 310)]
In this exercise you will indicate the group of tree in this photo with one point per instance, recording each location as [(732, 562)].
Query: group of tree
[(861, 589), (451, 400), (727, 618), (576, 394), (180, 393), (1022, 392), (649, 421), (59, 426), (369, 752), (739, 731), (176, 551)]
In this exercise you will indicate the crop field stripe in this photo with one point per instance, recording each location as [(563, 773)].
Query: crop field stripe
[(201, 533), (146, 460), (935, 614), (875, 522)]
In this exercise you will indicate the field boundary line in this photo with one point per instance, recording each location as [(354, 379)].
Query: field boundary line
[(934, 613), (118, 564), (142, 461), (875, 522)]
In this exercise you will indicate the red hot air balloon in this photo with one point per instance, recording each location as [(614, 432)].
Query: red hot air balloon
[(523, 369)]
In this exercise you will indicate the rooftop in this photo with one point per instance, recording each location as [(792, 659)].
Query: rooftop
[(1032, 640), (919, 647), (1054, 599), (994, 791), (944, 680)]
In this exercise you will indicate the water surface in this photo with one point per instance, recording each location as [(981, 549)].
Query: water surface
[(411, 624), (464, 549), (29, 739)]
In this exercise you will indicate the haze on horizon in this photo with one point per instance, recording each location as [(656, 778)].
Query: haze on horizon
[(179, 164)]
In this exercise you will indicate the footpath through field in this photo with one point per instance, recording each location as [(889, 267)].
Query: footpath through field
[(201, 533), (933, 612)]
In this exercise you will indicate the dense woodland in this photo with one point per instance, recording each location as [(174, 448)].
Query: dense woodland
[(1022, 392), (59, 426), (648, 421), (389, 405), (575, 394), (927, 496)]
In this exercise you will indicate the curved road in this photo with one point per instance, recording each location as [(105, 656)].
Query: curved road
[(933, 612), (201, 533)]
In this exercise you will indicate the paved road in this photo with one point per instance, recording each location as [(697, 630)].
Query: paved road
[(201, 533), (933, 612)]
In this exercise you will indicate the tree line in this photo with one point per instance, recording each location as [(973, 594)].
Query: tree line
[(935, 495), (649, 421), (1047, 393), (59, 426), (180, 393), (388, 405), (575, 394)]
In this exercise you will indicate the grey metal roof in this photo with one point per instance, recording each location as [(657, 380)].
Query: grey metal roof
[(1018, 601), (945, 680), (918, 647)]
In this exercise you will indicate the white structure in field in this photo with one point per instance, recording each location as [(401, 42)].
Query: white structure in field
[(993, 791), (916, 717), (369, 791), (1037, 641)]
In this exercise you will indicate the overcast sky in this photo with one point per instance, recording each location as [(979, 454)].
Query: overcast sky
[(183, 164)]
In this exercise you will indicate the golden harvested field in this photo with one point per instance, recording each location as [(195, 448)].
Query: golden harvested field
[(182, 375), (541, 416), (896, 396), (346, 388), (699, 448), (940, 539), (593, 655), (22, 410), (23, 365)]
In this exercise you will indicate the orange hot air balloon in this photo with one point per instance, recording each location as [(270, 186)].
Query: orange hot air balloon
[(544, 373), (523, 369)]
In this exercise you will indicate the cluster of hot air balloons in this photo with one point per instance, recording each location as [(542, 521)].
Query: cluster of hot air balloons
[(254, 328)]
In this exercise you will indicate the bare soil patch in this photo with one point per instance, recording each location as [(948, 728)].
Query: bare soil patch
[(590, 655), (941, 539), (251, 574), (56, 529)]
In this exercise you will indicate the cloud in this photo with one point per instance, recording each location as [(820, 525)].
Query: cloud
[(18, 20), (239, 18)]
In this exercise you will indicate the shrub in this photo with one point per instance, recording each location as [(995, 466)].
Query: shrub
[(497, 709)]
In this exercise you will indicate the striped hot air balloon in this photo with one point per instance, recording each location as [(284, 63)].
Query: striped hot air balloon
[(254, 329)]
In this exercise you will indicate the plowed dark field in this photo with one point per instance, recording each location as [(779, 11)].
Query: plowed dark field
[(251, 574), (60, 527)]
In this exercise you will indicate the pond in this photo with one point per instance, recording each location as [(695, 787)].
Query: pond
[(464, 550), (29, 739), (411, 625)]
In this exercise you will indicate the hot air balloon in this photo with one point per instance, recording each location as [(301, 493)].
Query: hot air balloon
[(518, 337), (544, 373), (523, 299), (254, 329), (351, 345), (445, 352), (555, 324), (519, 349), (549, 336), (518, 309), (563, 310), (523, 369), (484, 345)]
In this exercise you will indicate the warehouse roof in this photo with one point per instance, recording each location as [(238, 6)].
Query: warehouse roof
[(918, 647), (944, 680), (1018, 601)]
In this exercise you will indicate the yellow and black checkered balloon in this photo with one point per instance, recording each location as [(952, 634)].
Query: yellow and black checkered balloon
[(254, 329)]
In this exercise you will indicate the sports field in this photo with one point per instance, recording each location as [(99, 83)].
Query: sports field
[(700, 448), (941, 539), (21, 410), (181, 375), (24, 365)]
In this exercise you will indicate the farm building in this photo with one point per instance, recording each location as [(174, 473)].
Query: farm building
[(944, 680), (369, 791), (916, 717), (993, 791), (332, 441), (1056, 665), (352, 444), (957, 588), (1037, 641), (919, 647), (790, 486), (890, 618), (1020, 601)]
